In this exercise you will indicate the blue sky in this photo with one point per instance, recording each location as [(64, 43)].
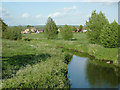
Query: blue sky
[(71, 13)]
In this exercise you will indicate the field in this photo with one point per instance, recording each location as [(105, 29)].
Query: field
[(81, 43), (36, 61)]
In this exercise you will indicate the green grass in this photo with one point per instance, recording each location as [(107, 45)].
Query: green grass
[(81, 43), (33, 64), (40, 63)]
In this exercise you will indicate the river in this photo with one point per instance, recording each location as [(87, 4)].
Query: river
[(86, 73)]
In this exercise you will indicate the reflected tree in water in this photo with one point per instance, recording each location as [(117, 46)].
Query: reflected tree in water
[(98, 74)]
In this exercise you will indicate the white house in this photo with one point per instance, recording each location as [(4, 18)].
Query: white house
[(85, 30)]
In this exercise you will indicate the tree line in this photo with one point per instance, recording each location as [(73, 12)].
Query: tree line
[(99, 30)]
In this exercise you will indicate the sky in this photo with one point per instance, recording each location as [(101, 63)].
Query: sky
[(70, 13)]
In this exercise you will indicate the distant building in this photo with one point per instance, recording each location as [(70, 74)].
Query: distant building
[(73, 31), (33, 30), (41, 30), (58, 29), (37, 31), (79, 30)]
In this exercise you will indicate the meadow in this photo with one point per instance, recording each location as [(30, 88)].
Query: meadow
[(38, 62), (81, 43)]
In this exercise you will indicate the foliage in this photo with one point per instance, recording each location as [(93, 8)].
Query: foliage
[(60, 27), (51, 29), (66, 32), (94, 26), (109, 35), (29, 26), (74, 28), (81, 27), (13, 33), (33, 65), (81, 44), (4, 25)]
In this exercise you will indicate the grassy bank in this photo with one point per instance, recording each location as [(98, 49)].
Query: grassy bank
[(33, 64), (81, 43), (36, 62)]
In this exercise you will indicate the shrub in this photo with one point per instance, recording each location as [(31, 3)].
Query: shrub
[(13, 33), (94, 26), (81, 27), (3, 27), (66, 32), (109, 35), (74, 28), (51, 29)]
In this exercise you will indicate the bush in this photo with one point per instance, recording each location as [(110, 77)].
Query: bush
[(94, 26), (51, 29), (66, 32), (109, 35), (3, 27), (81, 27), (12, 33), (74, 28)]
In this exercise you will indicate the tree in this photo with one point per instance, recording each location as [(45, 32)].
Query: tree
[(66, 32), (51, 29), (12, 33), (74, 28), (81, 27), (4, 27), (109, 35), (29, 26), (60, 27), (94, 26)]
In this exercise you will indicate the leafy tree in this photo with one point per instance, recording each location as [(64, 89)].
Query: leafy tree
[(109, 35), (51, 29), (13, 33), (74, 28), (66, 32), (4, 27), (60, 27), (81, 27), (28, 26), (94, 26)]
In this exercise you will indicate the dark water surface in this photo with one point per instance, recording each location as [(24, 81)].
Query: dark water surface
[(85, 73)]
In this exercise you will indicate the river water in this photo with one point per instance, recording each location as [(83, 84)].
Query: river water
[(86, 73)]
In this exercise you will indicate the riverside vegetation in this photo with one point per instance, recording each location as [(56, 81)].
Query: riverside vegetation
[(35, 61)]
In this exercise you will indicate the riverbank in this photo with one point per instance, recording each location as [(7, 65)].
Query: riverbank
[(36, 62), (80, 43)]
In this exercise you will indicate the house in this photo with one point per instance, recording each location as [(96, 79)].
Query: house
[(30, 30), (37, 31), (41, 30), (25, 31), (79, 30), (58, 29), (84, 29), (33, 30)]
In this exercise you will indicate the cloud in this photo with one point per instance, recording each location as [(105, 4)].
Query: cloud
[(71, 8), (38, 16), (25, 15), (4, 12), (63, 12), (56, 14)]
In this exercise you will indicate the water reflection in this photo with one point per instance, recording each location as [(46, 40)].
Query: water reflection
[(99, 75), (86, 73)]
